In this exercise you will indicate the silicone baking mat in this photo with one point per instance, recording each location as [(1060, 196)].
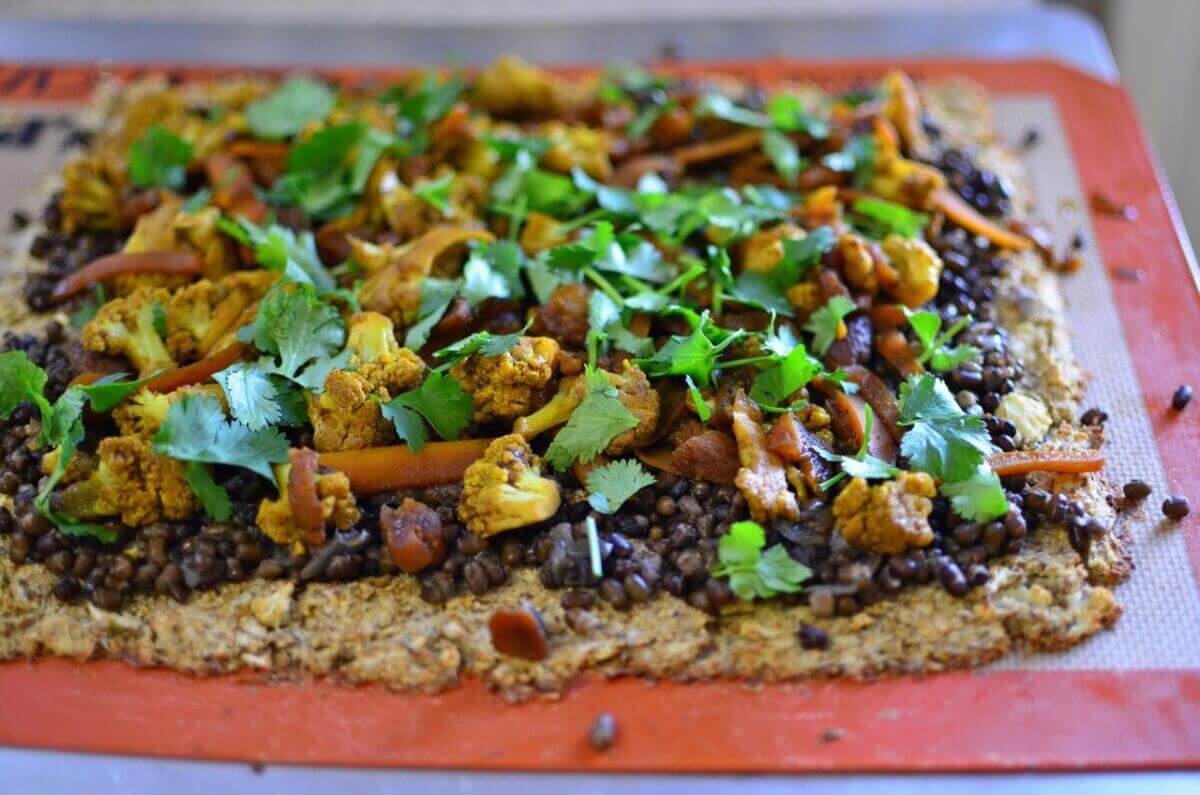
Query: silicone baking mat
[(1129, 698)]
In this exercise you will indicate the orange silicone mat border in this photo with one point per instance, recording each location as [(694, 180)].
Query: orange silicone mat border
[(995, 720)]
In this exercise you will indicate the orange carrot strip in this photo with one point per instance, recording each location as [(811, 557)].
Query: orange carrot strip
[(379, 469), (893, 347), (1022, 462), (714, 150), (170, 262), (963, 214), (196, 372)]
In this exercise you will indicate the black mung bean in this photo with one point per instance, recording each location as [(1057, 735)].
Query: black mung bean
[(603, 732), (1136, 490), (813, 637), (1176, 507), (1182, 397)]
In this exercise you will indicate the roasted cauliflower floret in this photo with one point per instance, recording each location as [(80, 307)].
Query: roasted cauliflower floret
[(886, 518), (144, 411), (857, 265), (91, 196), (387, 368), (205, 312), (763, 250), (508, 385), (409, 215), (918, 267), (513, 87), (505, 489), (577, 146), (905, 181), (346, 417), (902, 107), (133, 482), (168, 228), (633, 390), (541, 232), (125, 327), (337, 508)]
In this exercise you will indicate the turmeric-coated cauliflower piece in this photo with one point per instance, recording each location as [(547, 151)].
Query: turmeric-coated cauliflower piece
[(131, 481), (125, 327), (513, 87), (508, 385), (337, 507), (762, 477), (918, 267), (204, 313), (169, 228), (855, 262), (505, 489), (410, 216), (91, 196), (763, 250), (633, 390), (144, 411), (577, 146), (889, 517), (905, 181), (346, 415), (902, 107)]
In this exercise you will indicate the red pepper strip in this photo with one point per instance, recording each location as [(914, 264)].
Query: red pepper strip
[(379, 469), (169, 262), (1022, 462), (196, 372), (963, 214), (302, 495)]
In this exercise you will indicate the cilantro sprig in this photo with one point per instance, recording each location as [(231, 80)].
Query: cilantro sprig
[(440, 400), (159, 159), (935, 348), (597, 420), (303, 333), (285, 111), (754, 573), (611, 485), (826, 321), (862, 464)]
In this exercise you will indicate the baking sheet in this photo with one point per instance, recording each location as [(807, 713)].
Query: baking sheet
[(1128, 698)]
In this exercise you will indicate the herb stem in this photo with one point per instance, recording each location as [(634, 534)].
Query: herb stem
[(605, 285), (746, 362), (594, 547), (582, 221)]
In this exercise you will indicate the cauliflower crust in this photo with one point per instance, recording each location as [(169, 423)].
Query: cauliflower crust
[(504, 489), (509, 385), (889, 517), (140, 485)]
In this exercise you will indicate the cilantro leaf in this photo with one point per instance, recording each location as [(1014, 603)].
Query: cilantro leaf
[(857, 158), (21, 380), (775, 385), (326, 172), (611, 485), (934, 348), (694, 355), (722, 107), (410, 428), (441, 400), (595, 422), (824, 322), (493, 271), (978, 498), (703, 410), (195, 429), (436, 193), (879, 218), (299, 101), (753, 573), (279, 249), (436, 296), (941, 439), (213, 497), (296, 326), (251, 394), (159, 159), (88, 307), (158, 314), (485, 343), (788, 114), (784, 155)]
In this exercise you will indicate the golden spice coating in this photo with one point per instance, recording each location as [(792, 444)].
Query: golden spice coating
[(889, 517), (387, 368), (513, 87), (918, 267), (577, 146), (905, 181), (203, 313), (125, 327), (338, 507), (541, 232), (143, 412), (133, 482), (345, 417), (763, 250), (855, 262), (509, 385), (504, 489), (91, 196)]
